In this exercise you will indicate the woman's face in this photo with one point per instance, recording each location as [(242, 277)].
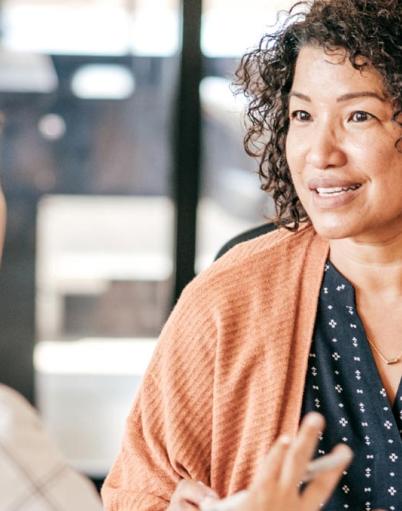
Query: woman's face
[(341, 149)]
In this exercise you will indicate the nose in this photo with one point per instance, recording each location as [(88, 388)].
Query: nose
[(324, 151)]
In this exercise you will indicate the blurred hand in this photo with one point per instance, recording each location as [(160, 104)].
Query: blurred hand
[(276, 484), (189, 495), (277, 481)]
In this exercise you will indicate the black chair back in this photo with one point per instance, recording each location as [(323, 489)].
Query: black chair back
[(244, 236)]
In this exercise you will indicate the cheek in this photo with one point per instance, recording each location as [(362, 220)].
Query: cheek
[(373, 153), (382, 165), (386, 176)]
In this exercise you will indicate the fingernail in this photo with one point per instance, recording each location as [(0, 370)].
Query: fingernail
[(314, 419), (344, 452)]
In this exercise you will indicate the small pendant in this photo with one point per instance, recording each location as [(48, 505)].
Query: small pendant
[(393, 361)]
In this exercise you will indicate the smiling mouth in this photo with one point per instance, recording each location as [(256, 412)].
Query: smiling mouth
[(333, 191)]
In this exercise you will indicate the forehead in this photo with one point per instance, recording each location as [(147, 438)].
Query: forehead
[(327, 74)]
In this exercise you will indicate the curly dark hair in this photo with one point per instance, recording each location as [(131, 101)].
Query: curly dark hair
[(370, 33)]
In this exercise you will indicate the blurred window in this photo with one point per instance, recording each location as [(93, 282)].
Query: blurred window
[(96, 27), (230, 27), (87, 147), (86, 159), (231, 201)]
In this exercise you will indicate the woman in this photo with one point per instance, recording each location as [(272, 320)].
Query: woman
[(305, 319)]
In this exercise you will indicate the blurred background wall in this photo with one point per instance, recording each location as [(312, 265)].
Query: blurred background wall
[(112, 205)]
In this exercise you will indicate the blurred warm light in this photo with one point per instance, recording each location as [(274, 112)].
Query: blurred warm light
[(231, 27), (26, 72), (66, 27), (95, 27), (103, 81), (143, 27), (155, 31), (220, 102), (94, 356), (52, 127)]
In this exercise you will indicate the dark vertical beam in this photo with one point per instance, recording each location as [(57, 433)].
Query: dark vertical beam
[(187, 144), (17, 298)]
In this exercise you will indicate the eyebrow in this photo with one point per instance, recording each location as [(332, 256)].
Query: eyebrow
[(344, 97)]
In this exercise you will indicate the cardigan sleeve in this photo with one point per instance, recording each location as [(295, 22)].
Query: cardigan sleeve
[(168, 431)]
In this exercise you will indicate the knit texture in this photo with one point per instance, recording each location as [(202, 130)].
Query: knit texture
[(227, 375)]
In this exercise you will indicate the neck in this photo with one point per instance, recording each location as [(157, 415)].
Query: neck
[(372, 267)]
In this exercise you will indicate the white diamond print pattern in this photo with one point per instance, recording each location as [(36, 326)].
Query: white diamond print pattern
[(343, 385)]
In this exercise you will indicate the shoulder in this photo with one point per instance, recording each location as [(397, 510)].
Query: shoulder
[(258, 275), (261, 261), (265, 244)]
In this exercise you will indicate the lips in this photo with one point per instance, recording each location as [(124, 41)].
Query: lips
[(331, 193)]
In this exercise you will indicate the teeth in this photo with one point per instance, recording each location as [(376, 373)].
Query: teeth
[(337, 190), (329, 190)]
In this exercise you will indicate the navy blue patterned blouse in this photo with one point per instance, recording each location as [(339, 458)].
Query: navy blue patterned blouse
[(344, 385)]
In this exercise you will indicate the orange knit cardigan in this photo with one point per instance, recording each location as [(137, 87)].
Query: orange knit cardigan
[(227, 375)]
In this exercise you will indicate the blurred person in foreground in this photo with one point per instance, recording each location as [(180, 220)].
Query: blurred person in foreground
[(33, 472), (305, 319)]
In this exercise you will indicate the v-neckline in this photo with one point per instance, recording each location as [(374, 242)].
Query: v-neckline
[(344, 384), (380, 399)]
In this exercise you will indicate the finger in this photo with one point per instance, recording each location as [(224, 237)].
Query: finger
[(271, 466), (192, 492), (301, 450), (321, 488)]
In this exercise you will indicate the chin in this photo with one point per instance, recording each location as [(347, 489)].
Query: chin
[(333, 230)]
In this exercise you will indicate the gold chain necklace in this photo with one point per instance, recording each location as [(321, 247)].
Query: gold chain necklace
[(388, 361)]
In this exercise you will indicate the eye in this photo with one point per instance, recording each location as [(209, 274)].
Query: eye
[(360, 116), (300, 115)]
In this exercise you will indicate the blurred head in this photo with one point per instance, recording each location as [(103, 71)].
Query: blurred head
[(308, 120)]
